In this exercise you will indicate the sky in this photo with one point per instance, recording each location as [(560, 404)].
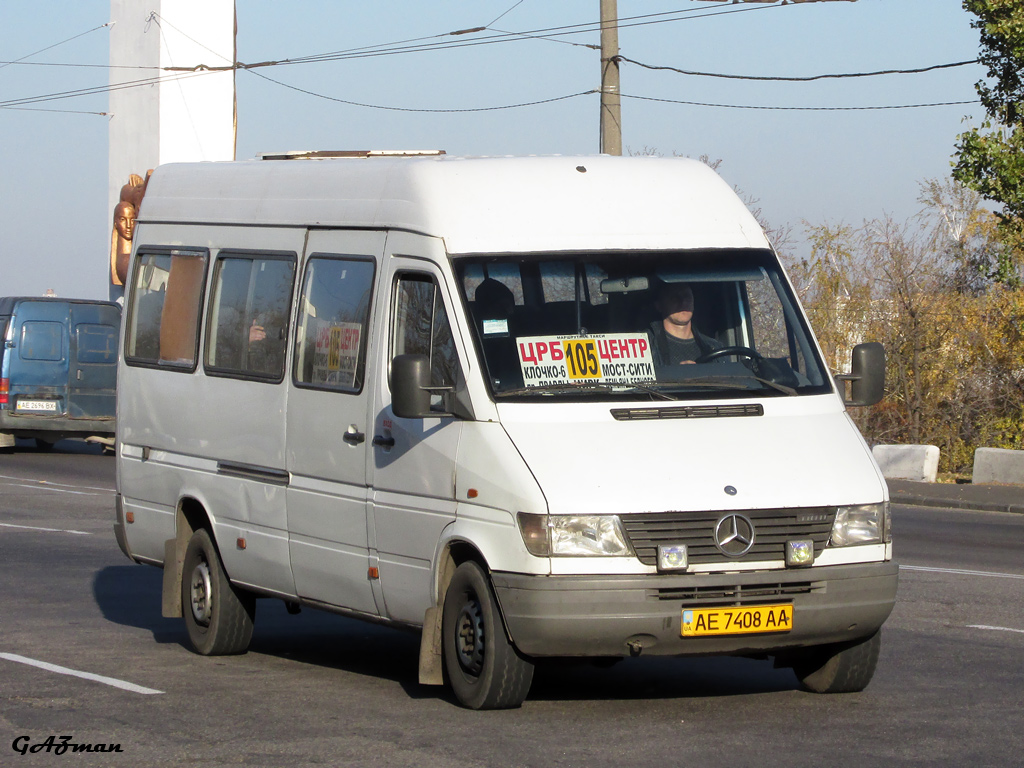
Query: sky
[(798, 166)]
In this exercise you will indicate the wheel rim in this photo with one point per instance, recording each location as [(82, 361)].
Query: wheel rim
[(469, 637), (201, 594)]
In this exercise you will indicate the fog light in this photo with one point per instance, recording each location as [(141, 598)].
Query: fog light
[(672, 557), (799, 552)]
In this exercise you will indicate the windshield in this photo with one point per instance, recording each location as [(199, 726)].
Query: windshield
[(668, 326)]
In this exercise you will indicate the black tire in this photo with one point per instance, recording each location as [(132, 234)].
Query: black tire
[(219, 618), (44, 446), (843, 668), (482, 667)]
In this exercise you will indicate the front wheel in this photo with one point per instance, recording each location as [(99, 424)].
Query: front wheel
[(218, 617), (845, 668), (482, 667)]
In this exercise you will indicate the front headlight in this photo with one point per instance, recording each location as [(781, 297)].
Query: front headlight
[(573, 535), (862, 524)]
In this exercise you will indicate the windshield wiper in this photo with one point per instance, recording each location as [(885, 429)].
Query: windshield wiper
[(722, 381), (775, 385), (589, 387)]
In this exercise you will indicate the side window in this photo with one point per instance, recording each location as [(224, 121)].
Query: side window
[(333, 323), (164, 306), (96, 343), (42, 340), (248, 325), (420, 327), (770, 330)]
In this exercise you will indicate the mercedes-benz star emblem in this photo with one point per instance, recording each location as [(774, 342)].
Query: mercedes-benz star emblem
[(734, 535)]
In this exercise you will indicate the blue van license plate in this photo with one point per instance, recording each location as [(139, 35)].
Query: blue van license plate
[(45, 406)]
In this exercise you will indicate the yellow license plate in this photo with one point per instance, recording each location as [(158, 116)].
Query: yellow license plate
[(698, 622)]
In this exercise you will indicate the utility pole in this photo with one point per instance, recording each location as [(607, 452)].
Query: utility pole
[(611, 103), (611, 97)]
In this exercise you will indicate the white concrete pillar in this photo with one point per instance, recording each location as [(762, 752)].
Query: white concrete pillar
[(172, 115)]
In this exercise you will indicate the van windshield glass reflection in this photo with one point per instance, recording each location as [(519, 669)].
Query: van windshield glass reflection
[(612, 325)]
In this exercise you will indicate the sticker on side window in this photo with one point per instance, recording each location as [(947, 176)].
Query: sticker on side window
[(611, 358), (336, 353)]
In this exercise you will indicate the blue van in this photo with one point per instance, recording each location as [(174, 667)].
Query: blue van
[(58, 369)]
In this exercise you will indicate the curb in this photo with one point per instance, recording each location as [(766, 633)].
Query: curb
[(970, 506)]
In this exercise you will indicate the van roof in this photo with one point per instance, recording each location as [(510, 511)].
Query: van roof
[(7, 303), (477, 205)]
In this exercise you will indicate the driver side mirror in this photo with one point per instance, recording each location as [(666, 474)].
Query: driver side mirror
[(413, 396), (410, 382), (866, 377)]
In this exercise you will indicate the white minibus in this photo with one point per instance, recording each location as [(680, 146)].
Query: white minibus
[(526, 406)]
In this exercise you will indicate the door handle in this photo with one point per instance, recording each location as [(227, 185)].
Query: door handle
[(354, 438), (383, 442)]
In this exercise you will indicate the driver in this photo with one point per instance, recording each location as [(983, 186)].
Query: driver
[(674, 339)]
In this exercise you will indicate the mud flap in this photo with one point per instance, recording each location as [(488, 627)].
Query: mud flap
[(173, 558), (430, 648)]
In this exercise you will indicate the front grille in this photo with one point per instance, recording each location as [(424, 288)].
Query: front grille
[(772, 529), (739, 594)]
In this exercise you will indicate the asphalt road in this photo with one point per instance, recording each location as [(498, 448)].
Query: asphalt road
[(317, 689)]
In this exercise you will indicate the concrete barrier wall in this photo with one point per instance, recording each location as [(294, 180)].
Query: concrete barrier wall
[(919, 463), (998, 465)]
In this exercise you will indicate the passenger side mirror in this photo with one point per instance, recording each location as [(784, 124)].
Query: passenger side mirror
[(410, 382), (867, 375)]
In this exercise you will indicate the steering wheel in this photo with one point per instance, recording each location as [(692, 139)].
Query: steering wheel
[(725, 351)]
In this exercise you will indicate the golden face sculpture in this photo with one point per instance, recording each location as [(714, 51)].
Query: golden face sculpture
[(125, 213)]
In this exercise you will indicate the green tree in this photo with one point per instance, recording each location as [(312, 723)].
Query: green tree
[(990, 159), (963, 235)]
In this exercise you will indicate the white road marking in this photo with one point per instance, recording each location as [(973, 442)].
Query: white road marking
[(998, 629), (113, 681), (46, 530), (28, 482), (42, 487), (958, 572)]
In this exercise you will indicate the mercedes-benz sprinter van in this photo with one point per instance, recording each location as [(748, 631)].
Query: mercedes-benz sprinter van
[(529, 407)]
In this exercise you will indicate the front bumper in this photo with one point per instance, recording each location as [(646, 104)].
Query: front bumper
[(624, 615)]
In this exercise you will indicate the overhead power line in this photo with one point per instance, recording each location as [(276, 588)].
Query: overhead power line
[(95, 90), (805, 79), (57, 111), (416, 45), (55, 45), (800, 109), (506, 13), (695, 73), (419, 44), (441, 42), (423, 110)]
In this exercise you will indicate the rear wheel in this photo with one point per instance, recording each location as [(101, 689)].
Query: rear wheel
[(219, 618), (842, 668), (482, 667)]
